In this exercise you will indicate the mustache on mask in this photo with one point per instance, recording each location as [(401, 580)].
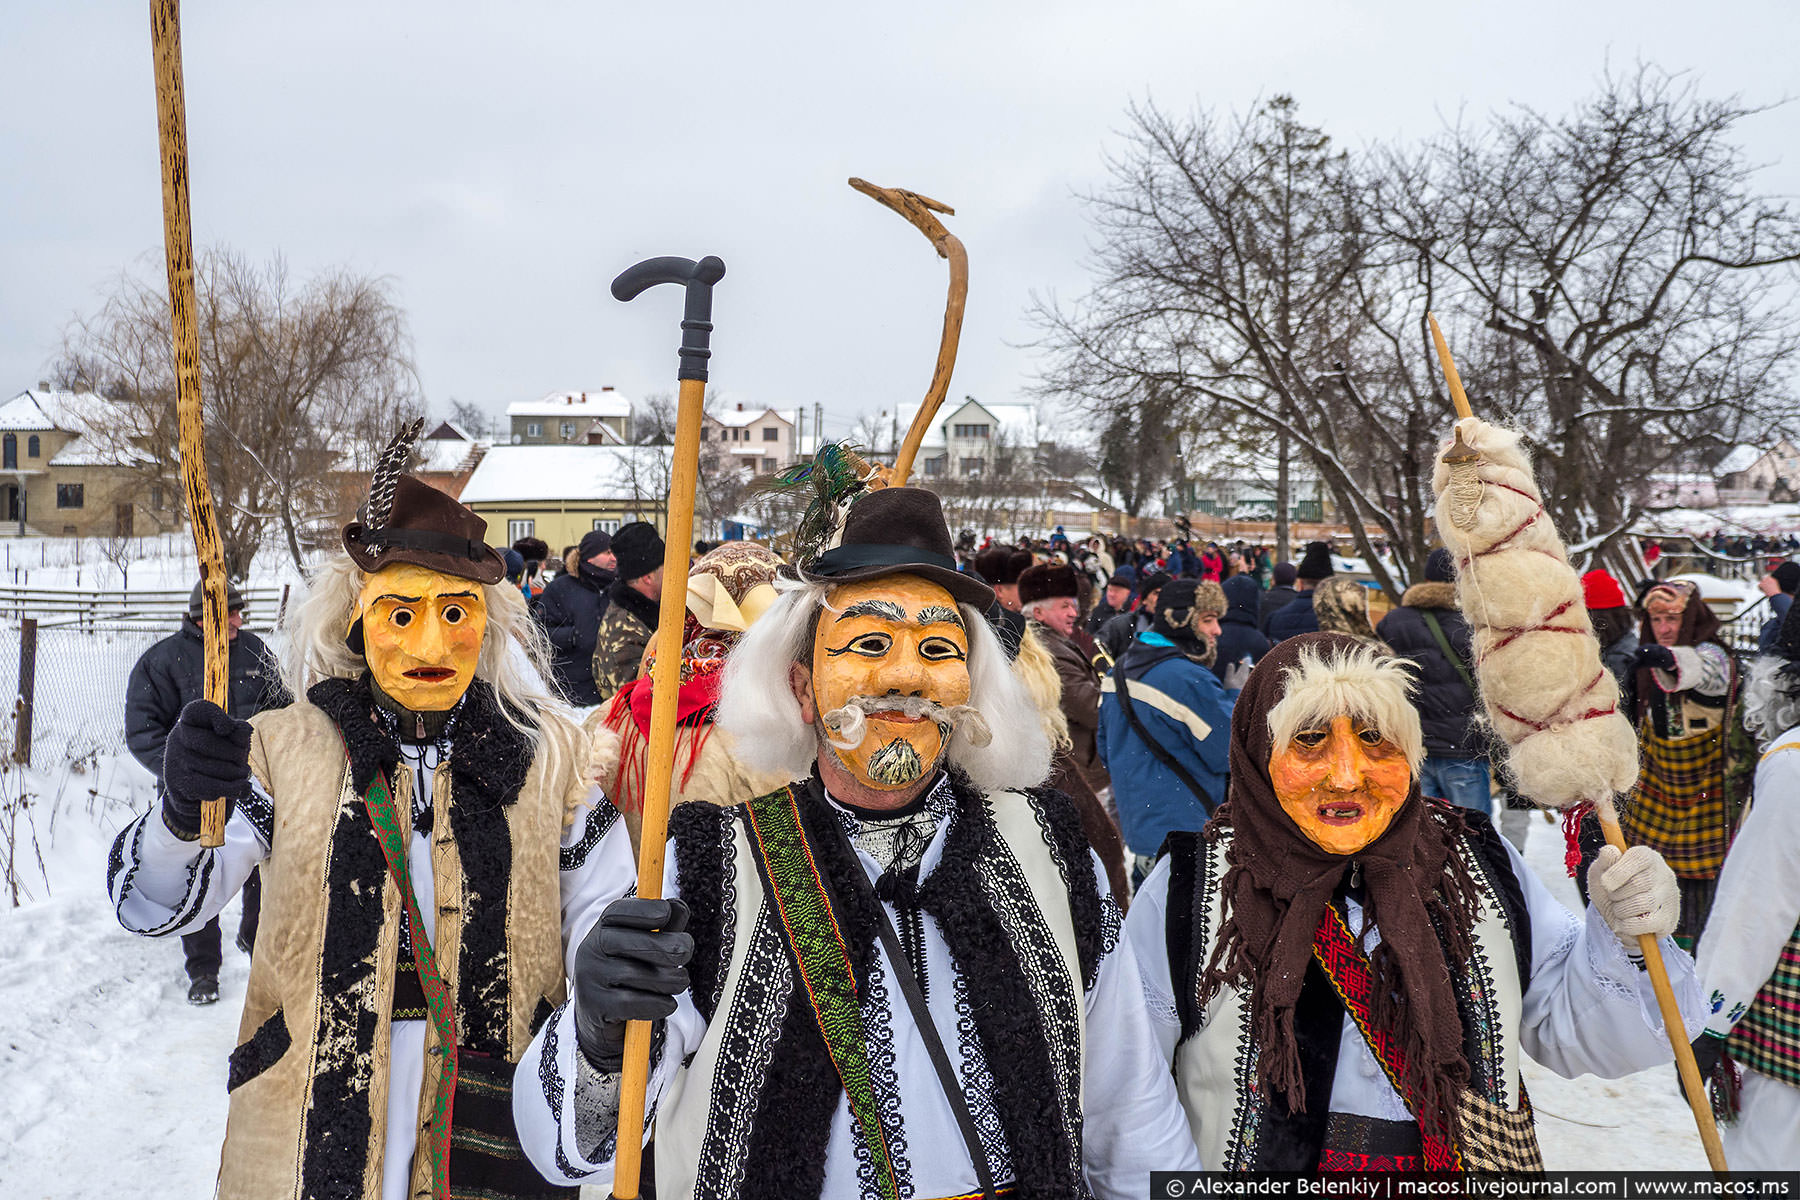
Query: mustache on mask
[(849, 724)]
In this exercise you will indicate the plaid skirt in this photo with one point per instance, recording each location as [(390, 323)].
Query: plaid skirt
[(1678, 806)]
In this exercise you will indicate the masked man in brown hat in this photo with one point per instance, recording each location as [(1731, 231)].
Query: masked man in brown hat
[(1345, 975), (901, 974), (428, 841)]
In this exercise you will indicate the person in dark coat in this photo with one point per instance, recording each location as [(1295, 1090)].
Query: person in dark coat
[(1615, 626), (1239, 639), (1297, 616), (1779, 586), (1117, 633), (570, 610), (1280, 594), (1456, 765), (633, 607), (167, 676), (1115, 600)]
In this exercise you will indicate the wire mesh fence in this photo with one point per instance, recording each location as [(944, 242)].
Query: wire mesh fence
[(78, 705)]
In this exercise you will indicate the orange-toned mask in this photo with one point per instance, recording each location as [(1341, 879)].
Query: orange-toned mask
[(422, 634), (888, 656), (1341, 783)]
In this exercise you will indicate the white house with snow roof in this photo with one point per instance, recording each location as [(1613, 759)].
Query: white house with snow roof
[(558, 493), (571, 418), (67, 469), (974, 439), (758, 439)]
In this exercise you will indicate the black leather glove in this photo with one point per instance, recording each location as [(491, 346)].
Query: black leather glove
[(207, 757), (631, 966), (1709, 1047), (1660, 657)]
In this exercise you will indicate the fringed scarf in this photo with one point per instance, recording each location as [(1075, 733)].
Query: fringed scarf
[(1417, 892)]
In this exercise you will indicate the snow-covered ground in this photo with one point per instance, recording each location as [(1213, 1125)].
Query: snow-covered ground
[(107, 1076)]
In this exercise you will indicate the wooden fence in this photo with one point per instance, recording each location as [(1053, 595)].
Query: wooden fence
[(132, 611)]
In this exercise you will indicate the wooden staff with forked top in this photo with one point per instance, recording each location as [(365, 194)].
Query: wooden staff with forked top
[(178, 247)]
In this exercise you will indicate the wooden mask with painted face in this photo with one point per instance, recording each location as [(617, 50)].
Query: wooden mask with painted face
[(1341, 781), (421, 633), (896, 649)]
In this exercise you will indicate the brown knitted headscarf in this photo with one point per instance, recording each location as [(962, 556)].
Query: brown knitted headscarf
[(1279, 883), (1699, 623)]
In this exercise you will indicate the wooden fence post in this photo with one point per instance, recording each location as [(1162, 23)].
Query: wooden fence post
[(27, 690)]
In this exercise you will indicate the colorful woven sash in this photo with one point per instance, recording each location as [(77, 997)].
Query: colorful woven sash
[(816, 944), (380, 803), (1347, 967)]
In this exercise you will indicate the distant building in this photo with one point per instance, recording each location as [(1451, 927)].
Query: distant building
[(66, 470), (448, 455), (558, 493), (571, 418), (759, 440), (974, 440), (1751, 473)]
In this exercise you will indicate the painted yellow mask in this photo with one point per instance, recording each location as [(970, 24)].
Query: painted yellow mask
[(1341, 783), (422, 634), (896, 650)]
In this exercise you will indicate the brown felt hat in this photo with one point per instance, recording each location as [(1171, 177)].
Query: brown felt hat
[(428, 529), (897, 531), (1046, 581)]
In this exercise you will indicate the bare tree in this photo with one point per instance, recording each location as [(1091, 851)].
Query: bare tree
[(473, 419), (302, 385), (1627, 278)]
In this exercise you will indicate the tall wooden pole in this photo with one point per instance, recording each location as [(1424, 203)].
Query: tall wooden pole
[(684, 475), (178, 246), (1676, 1029)]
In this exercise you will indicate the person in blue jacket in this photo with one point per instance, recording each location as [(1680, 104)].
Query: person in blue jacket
[(1168, 766)]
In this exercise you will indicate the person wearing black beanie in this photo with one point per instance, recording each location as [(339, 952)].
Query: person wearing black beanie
[(570, 611), (1297, 616), (634, 600)]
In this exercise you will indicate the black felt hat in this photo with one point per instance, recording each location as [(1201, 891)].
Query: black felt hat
[(639, 549), (1046, 581), (420, 525), (1315, 564), (896, 531)]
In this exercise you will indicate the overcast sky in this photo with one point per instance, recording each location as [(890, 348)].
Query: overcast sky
[(501, 162)]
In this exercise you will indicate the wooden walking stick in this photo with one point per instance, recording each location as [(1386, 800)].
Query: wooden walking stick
[(922, 212), (696, 334), (1567, 743), (178, 247)]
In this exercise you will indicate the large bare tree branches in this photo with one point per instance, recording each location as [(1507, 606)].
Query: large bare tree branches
[(1611, 279)]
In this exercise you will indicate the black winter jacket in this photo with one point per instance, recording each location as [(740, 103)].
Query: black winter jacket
[(1120, 630), (1277, 597), (1239, 637), (1293, 619), (1445, 703), (570, 610), (170, 673)]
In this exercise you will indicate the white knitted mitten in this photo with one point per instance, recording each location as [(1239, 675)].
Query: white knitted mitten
[(1635, 893)]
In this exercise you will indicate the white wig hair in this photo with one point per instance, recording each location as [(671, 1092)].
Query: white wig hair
[(1362, 682), (1771, 700), (514, 655), (758, 709)]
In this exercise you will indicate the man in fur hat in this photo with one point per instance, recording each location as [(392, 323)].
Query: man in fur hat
[(1345, 974), (428, 842), (1163, 720), (909, 1012), (1750, 951)]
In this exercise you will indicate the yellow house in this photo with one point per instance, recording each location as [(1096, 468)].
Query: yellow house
[(558, 493), (64, 472)]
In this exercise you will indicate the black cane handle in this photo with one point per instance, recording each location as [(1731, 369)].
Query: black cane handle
[(696, 319)]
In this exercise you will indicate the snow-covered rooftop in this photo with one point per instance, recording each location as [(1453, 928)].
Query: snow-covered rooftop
[(532, 474), (1740, 458), (43, 410), (607, 402), (1020, 424), (739, 417)]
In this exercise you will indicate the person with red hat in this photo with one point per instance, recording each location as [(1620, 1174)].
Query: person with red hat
[(1614, 627)]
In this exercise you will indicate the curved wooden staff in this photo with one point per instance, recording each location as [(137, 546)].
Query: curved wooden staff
[(1465, 485), (178, 247), (921, 212)]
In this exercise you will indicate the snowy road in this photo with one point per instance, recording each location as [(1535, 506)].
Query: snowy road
[(108, 1077)]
